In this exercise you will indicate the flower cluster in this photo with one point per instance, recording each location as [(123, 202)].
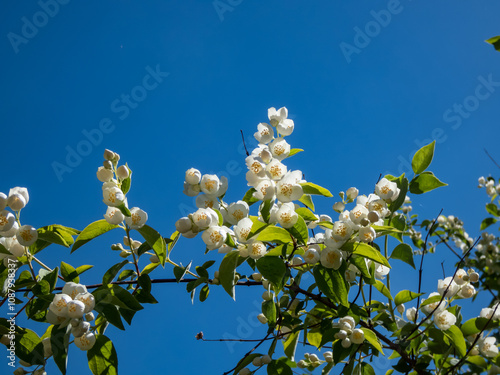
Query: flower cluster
[(74, 306), (116, 182), (491, 186), (348, 333), (14, 237)]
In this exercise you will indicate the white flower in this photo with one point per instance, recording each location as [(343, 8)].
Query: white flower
[(487, 312), (191, 190), (242, 229), (338, 207), (280, 149), (75, 309), (332, 242), (264, 134), (387, 190), (331, 258), (113, 196), (444, 319), (204, 218), (87, 299), (256, 167), (7, 220), (435, 305), (12, 231), (341, 230), (276, 170), (86, 341), (381, 271), (59, 304), (367, 234), (411, 313), (26, 235), (193, 176), (459, 276), (312, 254), (357, 336), (262, 318), (277, 116), (114, 216), (351, 273), (400, 308), (265, 190), (236, 212), (214, 237), (285, 127), (73, 289), (447, 283), (18, 198), (352, 193), (3, 201), (467, 291), (209, 184), (256, 250), (104, 174), (288, 188), (207, 201), (286, 215), (488, 347), (379, 206), (13, 246), (358, 213), (137, 218)]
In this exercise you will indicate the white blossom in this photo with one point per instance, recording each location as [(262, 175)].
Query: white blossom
[(447, 283), (467, 291), (387, 190), (7, 220), (265, 190), (236, 212), (357, 336), (113, 195), (104, 174), (288, 188), (86, 341), (286, 215), (204, 218), (242, 229), (26, 235), (209, 184), (264, 134), (207, 201), (341, 230), (367, 234), (114, 216), (277, 116), (87, 299), (191, 190), (137, 218), (18, 198), (312, 254), (488, 347), (331, 258), (214, 237), (75, 309), (193, 176), (256, 250), (275, 170), (3, 201), (59, 304), (459, 276), (280, 149), (411, 313), (444, 319)]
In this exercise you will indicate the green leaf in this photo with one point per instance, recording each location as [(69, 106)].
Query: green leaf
[(92, 231), (332, 283), (113, 271), (202, 272), (372, 339), (495, 42), (310, 188), (227, 270), (457, 339), (492, 209), (294, 151), (366, 369), (57, 234), (59, 341), (476, 325), (431, 300), (277, 367), (290, 345), (269, 311), (366, 251), (424, 183), (306, 214), (403, 252), (102, 357), (422, 158), (69, 273), (383, 289), (274, 234), (300, 231), (180, 272), (265, 210), (156, 241), (405, 296), (307, 201), (149, 268), (402, 183), (29, 347), (249, 197), (487, 222), (273, 269), (204, 293)]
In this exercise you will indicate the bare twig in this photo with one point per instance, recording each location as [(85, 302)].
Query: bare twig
[(493, 160)]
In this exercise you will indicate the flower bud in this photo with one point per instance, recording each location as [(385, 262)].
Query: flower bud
[(265, 284), (338, 207), (3, 201), (342, 334), (183, 225), (266, 359), (346, 343), (80, 329), (125, 253), (122, 172), (89, 316), (193, 176), (257, 361), (244, 371), (313, 358), (267, 296), (301, 364), (257, 276), (109, 155), (117, 246), (400, 308), (104, 174), (5, 340), (47, 347), (473, 277), (352, 193), (154, 259), (107, 164), (86, 341), (262, 318), (40, 371)]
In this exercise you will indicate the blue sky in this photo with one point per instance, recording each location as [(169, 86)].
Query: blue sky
[(420, 71)]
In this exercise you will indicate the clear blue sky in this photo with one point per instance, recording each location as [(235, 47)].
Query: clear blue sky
[(361, 105)]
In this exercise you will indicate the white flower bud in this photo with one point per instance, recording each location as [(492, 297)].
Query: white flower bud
[(123, 172), (313, 358), (5, 340), (352, 193), (357, 336), (47, 347), (107, 164), (193, 176), (301, 364), (154, 259), (257, 276), (338, 207), (89, 316), (474, 277), (265, 284), (262, 318), (342, 334), (410, 314), (3, 201), (267, 296), (400, 308), (346, 343), (257, 361), (183, 225), (104, 174), (109, 155), (266, 359), (244, 371)]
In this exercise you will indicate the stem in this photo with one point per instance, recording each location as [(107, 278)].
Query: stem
[(388, 279)]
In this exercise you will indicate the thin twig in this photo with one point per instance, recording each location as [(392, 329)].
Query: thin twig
[(493, 160), (244, 145)]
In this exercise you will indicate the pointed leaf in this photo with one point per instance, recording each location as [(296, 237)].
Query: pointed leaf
[(92, 231), (102, 357), (156, 241), (424, 183), (422, 158), (310, 188), (403, 252)]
